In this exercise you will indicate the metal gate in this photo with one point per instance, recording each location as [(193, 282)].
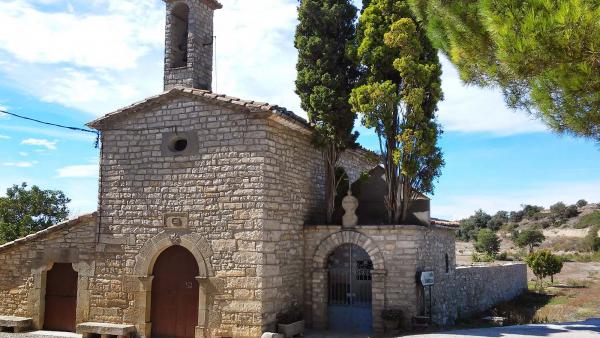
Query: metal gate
[(349, 295)]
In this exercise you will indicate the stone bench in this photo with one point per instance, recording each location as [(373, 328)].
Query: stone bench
[(105, 330), (18, 324)]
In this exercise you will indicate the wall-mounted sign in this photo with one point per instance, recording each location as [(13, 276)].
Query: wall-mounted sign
[(176, 220), (427, 278)]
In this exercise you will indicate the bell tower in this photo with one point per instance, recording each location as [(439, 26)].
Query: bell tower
[(189, 43)]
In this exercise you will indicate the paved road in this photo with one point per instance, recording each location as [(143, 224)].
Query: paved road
[(587, 329)]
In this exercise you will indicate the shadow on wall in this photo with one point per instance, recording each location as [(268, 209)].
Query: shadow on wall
[(371, 190)]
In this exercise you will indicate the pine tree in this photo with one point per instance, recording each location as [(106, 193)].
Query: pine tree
[(326, 75), (398, 98), (543, 54)]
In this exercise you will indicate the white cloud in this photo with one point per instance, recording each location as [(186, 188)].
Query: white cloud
[(20, 164), (22, 153), (87, 170), (473, 109), (98, 56), (114, 40), (459, 206), (4, 137), (51, 145)]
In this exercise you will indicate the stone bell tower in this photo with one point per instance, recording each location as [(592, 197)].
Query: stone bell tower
[(189, 43)]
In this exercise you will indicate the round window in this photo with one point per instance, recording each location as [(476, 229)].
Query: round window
[(178, 144)]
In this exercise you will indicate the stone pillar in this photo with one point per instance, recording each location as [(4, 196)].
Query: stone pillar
[(201, 331), (143, 299), (378, 299), (319, 298)]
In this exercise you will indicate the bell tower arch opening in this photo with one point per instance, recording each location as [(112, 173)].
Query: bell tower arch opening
[(179, 37)]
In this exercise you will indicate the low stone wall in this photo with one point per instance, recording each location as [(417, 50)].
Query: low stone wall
[(477, 289)]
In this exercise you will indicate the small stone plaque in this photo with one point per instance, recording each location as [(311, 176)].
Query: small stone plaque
[(176, 221)]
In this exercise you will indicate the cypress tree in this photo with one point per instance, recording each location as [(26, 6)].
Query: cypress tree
[(326, 76)]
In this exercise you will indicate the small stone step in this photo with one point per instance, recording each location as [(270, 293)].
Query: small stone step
[(105, 329), (19, 324)]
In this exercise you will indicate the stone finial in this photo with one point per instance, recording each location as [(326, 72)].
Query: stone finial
[(350, 204)]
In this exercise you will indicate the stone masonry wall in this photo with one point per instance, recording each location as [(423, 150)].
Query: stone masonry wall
[(23, 264), (295, 188), (220, 188), (476, 289), (404, 250)]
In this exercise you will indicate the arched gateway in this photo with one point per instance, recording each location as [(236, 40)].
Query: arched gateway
[(362, 274), (349, 289)]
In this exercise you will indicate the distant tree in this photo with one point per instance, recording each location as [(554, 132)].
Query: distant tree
[(487, 242), (498, 220), (529, 238), (469, 227), (531, 211), (581, 203), (543, 264), (542, 54), (326, 75), (398, 98), (562, 211), (516, 216), (24, 211), (591, 240)]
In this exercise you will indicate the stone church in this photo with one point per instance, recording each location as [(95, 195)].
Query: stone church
[(209, 224)]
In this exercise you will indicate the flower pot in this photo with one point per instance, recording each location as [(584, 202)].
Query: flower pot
[(292, 329)]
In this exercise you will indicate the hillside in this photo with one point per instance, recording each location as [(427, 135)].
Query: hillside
[(564, 227)]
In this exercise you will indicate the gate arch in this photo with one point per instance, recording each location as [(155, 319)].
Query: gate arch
[(145, 262), (320, 276)]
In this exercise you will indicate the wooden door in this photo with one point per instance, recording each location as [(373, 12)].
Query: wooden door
[(175, 292), (61, 298)]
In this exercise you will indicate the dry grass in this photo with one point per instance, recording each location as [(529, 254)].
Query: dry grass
[(553, 304)]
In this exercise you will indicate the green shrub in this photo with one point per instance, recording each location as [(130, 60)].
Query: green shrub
[(581, 203), (503, 256), (529, 238), (591, 240), (588, 220), (481, 258), (487, 242), (543, 264)]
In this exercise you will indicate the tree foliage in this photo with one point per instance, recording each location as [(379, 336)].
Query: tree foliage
[(398, 98), (24, 211), (326, 75), (487, 242), (529, 238), (543, 54), (591, 240), (544, 264)]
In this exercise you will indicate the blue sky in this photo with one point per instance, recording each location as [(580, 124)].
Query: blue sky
[(71, 61)]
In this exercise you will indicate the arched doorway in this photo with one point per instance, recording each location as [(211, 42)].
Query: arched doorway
[(175, 293), (61, 298), (349, 304)]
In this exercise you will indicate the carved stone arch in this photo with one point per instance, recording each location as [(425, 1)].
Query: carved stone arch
[(37, 294), (330, 243), (320, 276), (197, 245)]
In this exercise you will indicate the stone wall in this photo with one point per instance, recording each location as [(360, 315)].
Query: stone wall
[(220, 191), (401, 251), (24, 263), (476, 289)]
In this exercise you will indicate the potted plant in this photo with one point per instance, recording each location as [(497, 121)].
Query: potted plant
[(291, 322), (391, 319)]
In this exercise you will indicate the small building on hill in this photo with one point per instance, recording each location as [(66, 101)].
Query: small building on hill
[(210, 224)]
